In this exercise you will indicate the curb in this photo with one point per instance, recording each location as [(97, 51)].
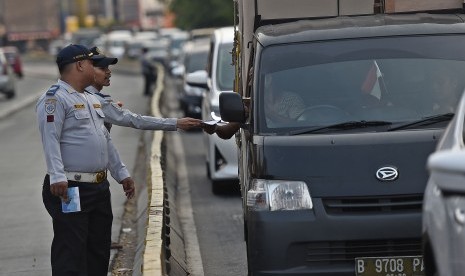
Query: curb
[(153, 248)]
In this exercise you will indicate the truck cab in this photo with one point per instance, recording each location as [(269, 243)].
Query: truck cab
[(343, 112)]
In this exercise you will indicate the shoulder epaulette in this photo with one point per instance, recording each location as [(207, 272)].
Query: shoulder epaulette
[(52, 90)]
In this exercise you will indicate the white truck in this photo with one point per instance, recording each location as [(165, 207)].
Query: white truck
[(345, 101)]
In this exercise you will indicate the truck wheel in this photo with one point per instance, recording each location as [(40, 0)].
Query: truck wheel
[(249, 269)]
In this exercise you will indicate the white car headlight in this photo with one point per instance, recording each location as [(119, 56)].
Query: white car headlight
[(278, 195)]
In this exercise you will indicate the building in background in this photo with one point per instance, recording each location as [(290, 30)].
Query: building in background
[(33, 24), (28, 23)]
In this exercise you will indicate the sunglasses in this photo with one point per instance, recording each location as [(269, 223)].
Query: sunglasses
[(102, 68)]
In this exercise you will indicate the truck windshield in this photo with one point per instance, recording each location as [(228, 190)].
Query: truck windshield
[(387, 79)]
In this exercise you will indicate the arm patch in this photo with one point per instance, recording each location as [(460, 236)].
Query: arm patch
[(52, 90)]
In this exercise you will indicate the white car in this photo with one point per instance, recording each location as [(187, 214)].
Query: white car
[(444, 202), (7, 77), (221, 155)]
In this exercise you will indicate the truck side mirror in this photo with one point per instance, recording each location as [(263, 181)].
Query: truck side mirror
[(231, 107), (198, 79)]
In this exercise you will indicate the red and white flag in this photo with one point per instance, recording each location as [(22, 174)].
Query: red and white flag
[(371, 83)]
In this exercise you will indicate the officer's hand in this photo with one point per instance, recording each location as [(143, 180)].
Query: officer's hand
[(60, 189), (128, 187), (210, 129), (188, 123)]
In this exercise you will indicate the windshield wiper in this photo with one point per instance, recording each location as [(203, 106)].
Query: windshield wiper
[(425, 121), (343, 126)]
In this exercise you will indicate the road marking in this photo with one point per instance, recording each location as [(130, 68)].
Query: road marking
[(186, 217)]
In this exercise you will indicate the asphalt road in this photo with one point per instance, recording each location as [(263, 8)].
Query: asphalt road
[(218, 218)]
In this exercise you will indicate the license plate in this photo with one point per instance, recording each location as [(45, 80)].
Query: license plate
[(390, 266)]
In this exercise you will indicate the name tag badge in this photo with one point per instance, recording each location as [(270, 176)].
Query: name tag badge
[(79, 106), (97, 106)]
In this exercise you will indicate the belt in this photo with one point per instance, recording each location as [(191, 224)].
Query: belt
[(87, 177)]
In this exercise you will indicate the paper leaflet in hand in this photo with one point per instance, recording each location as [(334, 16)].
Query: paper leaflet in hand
[(74, 202)]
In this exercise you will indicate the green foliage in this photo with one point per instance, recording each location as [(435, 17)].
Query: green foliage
[(191, 14)]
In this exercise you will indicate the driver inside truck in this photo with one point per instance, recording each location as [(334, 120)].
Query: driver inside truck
[(281, 107)]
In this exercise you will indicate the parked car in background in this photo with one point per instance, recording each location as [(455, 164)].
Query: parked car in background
[(177, 40), (86, 36), (115, 42), (201, 33), (135, 45), (194, 58), (221, 155), (444, 202), (7, 77), (14, 59), (157, 50)]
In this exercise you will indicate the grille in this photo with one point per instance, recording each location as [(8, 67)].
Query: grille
[(367, 205), (344, 252)]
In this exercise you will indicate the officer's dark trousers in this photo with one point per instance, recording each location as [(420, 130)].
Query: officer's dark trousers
[(82, 240), (150, 79)]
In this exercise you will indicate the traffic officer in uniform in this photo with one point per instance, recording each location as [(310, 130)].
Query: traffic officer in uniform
[(78, 153), (115, 114)]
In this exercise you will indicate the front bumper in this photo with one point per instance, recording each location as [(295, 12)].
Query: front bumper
[(311, 242)]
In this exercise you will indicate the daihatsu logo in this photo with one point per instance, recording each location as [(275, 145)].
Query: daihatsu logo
[(387, 174)]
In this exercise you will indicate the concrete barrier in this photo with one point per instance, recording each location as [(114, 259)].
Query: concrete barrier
[(161, 247)]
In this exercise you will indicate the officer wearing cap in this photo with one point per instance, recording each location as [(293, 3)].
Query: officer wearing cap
[(78, 152), (114, 114)]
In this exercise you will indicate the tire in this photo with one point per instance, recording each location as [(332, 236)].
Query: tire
[(217, 187), (208, 170), (249, 270), (10, 94)]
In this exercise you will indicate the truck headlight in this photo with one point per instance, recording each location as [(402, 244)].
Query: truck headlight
[(278, 195)]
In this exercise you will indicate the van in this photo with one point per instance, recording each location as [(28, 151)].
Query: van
[(343, 113)]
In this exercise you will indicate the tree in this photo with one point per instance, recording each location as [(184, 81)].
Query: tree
[(191, 14)]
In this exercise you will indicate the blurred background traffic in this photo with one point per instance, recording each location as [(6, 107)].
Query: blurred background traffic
[(121, 28)]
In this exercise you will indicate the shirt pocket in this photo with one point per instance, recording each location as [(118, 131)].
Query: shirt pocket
[(81, 114), (100, 112), (82, 124)]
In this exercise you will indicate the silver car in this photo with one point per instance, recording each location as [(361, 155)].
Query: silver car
[(221, 155), (444, 202), (7, 77)]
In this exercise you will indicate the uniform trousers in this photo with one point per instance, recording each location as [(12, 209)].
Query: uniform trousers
[(149, 79), (82, 240)]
